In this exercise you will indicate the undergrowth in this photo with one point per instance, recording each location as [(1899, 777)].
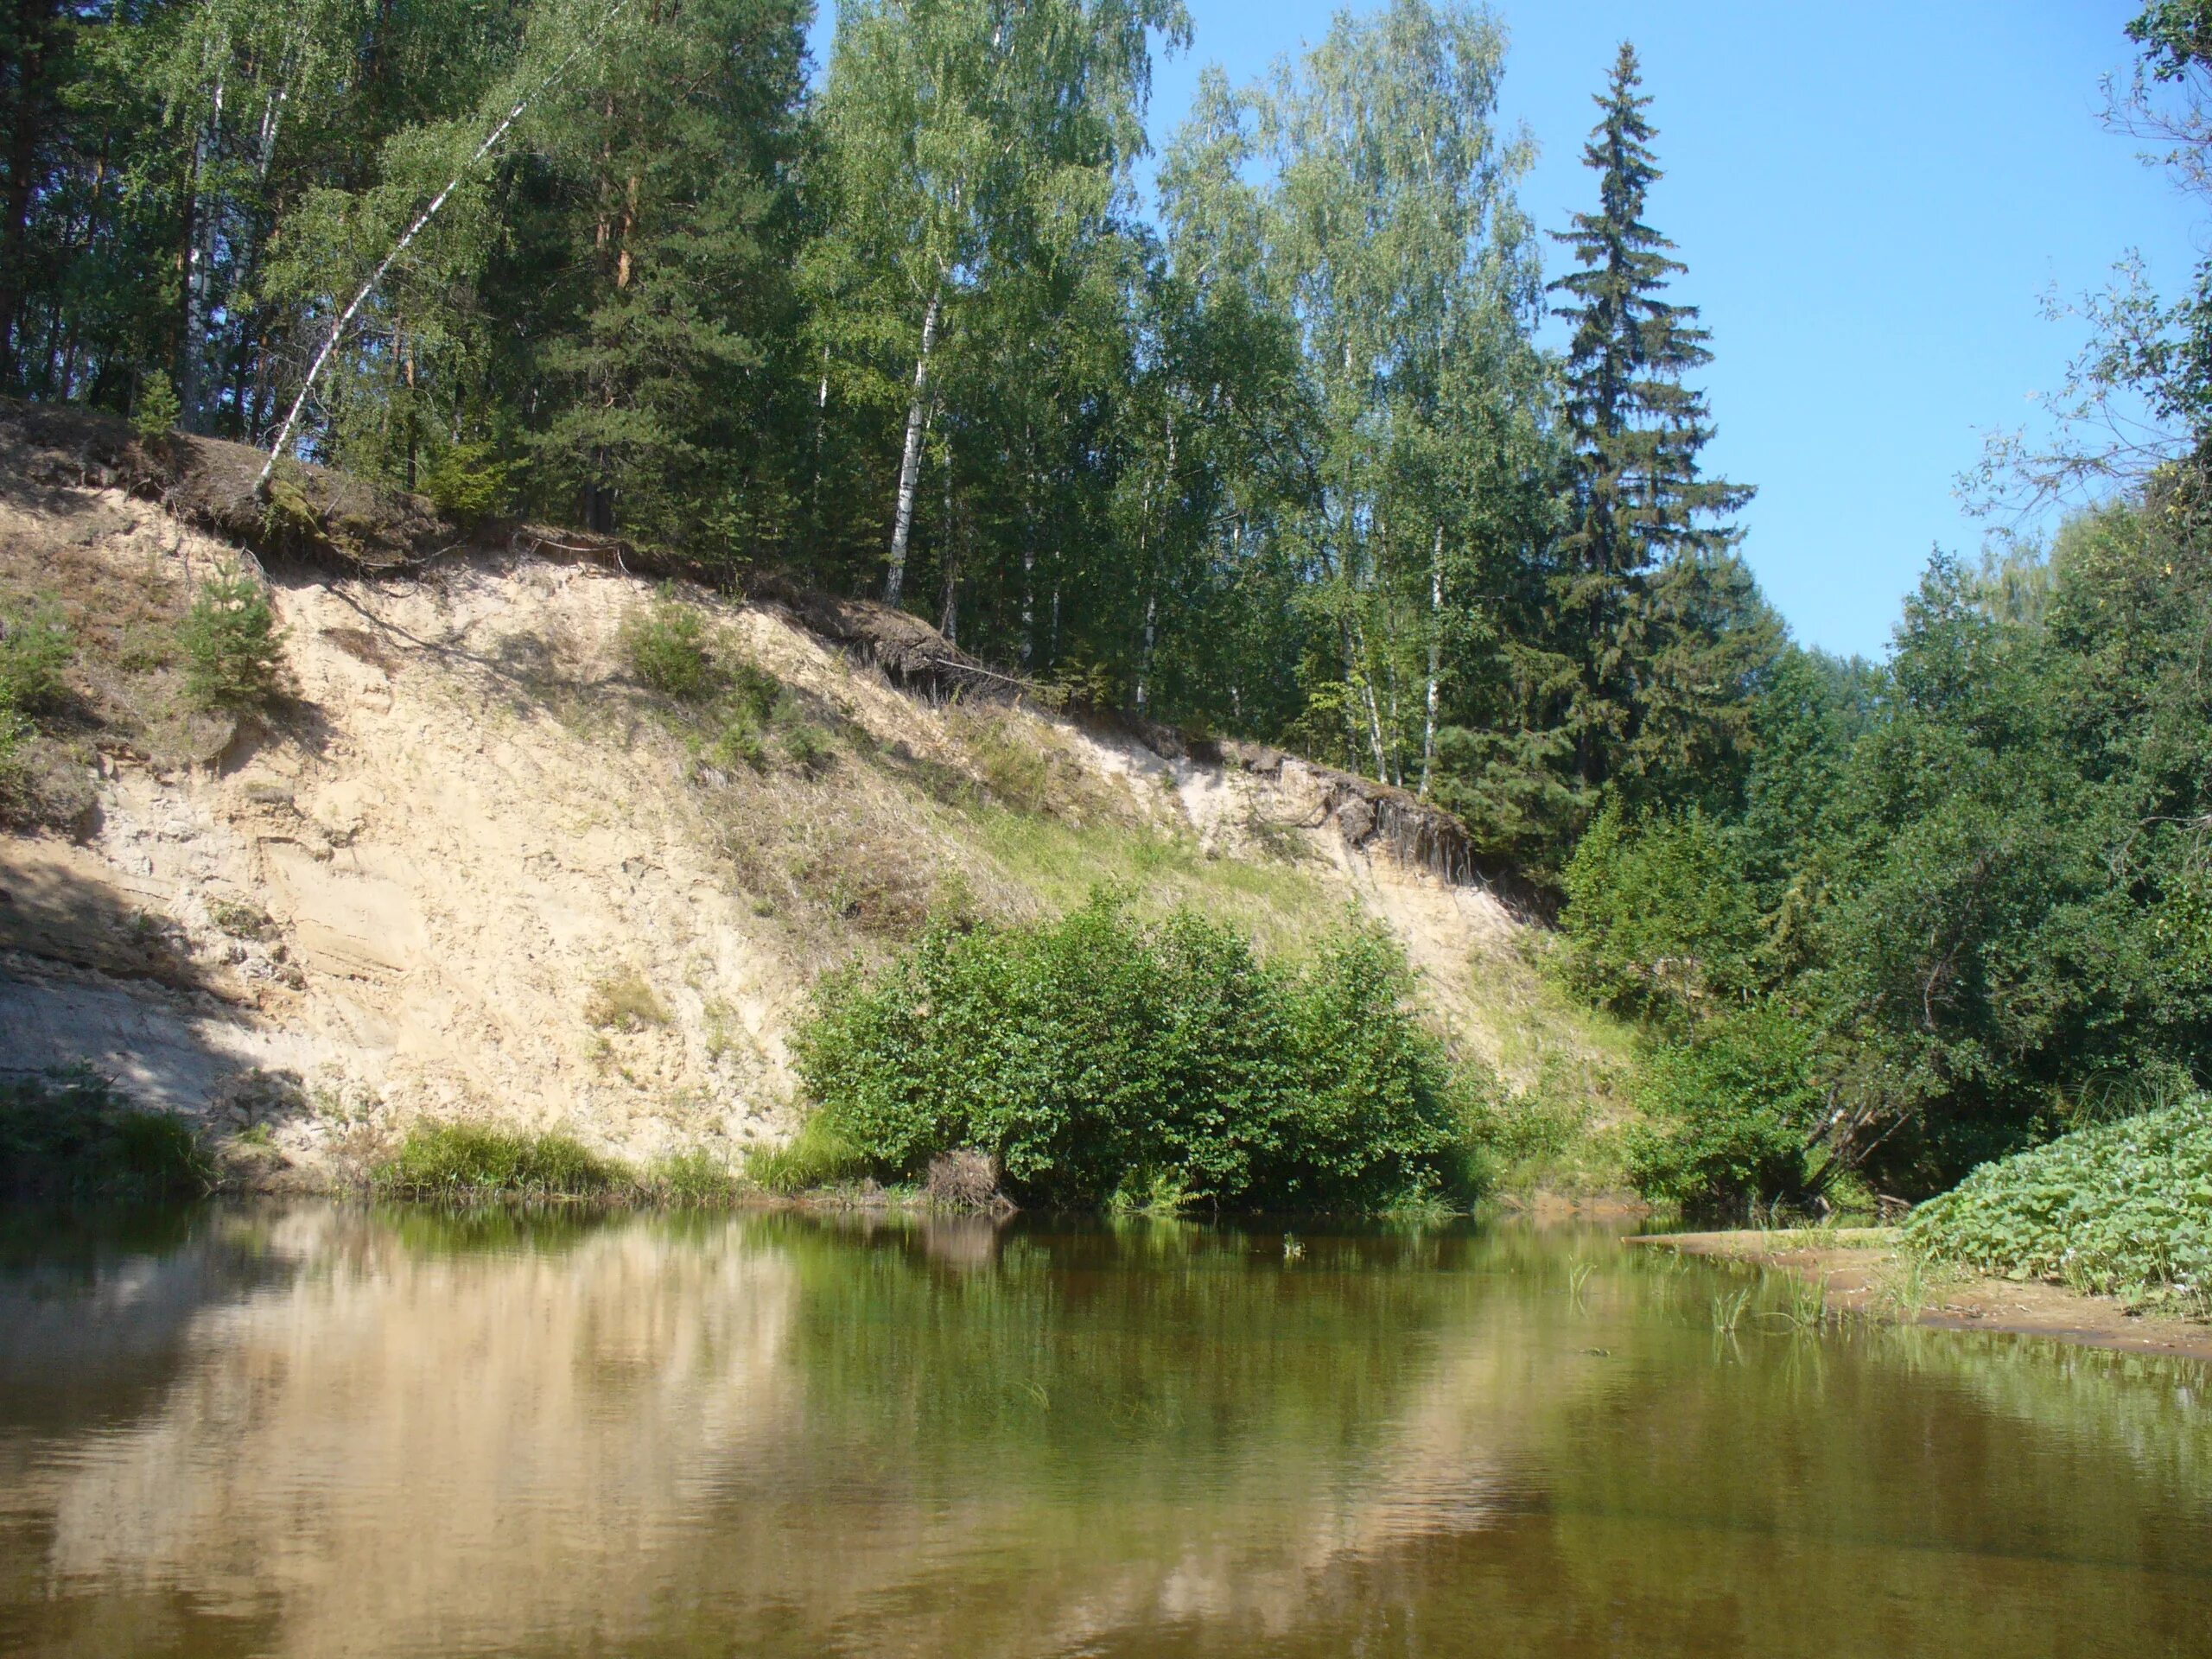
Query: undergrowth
[(2124, 1209), (71, 1134)]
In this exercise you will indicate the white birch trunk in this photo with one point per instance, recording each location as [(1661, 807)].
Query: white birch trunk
[(346, 318), (1435, 659), (200, 275), (910, 459)]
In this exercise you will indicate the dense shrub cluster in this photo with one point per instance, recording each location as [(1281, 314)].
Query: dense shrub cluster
[(2122, 1209), (1105, 1058), (1731, 1118), (666, 646)]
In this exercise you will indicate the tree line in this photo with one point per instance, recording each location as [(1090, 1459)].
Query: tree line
[(1960, 901), (1273, 450)]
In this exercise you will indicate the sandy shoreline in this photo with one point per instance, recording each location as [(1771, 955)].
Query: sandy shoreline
[(1865, 1273)]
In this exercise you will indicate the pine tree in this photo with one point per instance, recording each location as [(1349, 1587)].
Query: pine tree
[(1636, 429)]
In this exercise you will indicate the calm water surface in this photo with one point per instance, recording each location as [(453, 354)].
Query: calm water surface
[(322, 1431)]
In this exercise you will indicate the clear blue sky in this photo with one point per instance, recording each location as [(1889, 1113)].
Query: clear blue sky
[(1869, 198)]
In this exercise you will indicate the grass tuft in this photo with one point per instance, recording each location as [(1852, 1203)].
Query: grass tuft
[(72, 1135), (467, 1161), (624, 1001)]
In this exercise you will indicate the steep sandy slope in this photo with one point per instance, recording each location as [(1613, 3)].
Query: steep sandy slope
[(471, 869)]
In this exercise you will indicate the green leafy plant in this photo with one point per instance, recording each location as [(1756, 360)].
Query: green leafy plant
[(233, 647), (70, 1133), (1102, 1058), (2124, 1209), (37, 646), (468, 481), (1731, 1117)]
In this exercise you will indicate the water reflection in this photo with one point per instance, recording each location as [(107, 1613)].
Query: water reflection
[(318, 1430)]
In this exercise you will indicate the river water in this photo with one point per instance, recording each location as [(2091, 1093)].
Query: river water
[(322, 1430)]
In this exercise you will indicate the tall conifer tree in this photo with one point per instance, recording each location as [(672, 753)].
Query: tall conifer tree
[(1636, 429)]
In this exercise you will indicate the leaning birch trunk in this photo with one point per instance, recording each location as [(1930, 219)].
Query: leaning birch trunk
[(910, 459), (345, 317), (1435, 656)]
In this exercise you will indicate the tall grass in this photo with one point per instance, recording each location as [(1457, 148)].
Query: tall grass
[(468, 1161), (70, 1135)]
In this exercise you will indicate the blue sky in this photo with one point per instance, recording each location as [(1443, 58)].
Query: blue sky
[(1871, 200)]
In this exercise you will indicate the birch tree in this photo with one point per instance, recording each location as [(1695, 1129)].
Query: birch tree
[(967, 136)]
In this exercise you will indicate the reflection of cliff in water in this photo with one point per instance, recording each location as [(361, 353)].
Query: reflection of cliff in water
[(403, 1434)]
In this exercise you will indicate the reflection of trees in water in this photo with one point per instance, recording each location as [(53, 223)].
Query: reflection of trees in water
[(400, 1432)]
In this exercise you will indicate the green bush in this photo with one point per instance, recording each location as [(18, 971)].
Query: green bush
[(16, 734), (1101, 1057), (464, 1160), (1659, 920), (234, 650), (2124, 1209), (35, 648), (665, 645), (1731, 1117), (71, 1134)]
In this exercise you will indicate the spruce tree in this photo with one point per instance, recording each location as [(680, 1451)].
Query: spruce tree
[(1639, 502)]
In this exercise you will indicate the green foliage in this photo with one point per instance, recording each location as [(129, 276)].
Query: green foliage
[(818, 1156), (666, 647), (72, 1135), (37, 647), (698, 1177), (1638, 496), (1731, 1118), (158, 409), (2123, 1209), (233, 648), (1659, 918), (468, 481), (1100, 1055), (467, 1161)]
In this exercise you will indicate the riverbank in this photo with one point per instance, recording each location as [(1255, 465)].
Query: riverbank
[(1865, 1271)]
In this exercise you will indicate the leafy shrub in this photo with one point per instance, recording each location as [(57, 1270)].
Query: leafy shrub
[(16, 734), (464, 1160), (2123, 1209), (234, 649), (1099, 1055), (71, 1134), (35, 649), (1731, 1116), (665, 646)]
